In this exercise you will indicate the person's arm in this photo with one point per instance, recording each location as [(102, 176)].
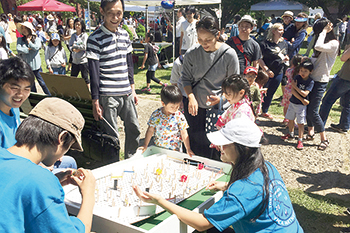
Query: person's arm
[(193, 219), (36, 45), (180, 43), (87, 189), (299, 97), (148, 136), (94, 72), (131, 76), (21, 46), (303, 93), (186, 140), (346, 55), (145, 56), (298, 40), (325, 47), (47, 59), (71, 42), (256, 64), (82, 46), (265, 68)]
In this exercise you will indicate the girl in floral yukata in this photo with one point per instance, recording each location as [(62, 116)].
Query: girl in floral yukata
[(168, 124), (237, 91)]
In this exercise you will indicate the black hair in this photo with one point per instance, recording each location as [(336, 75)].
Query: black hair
[(262, 78), (296, 60), (34, 131), (151, 37), (18, 19), (17, 69), (82, 23), (182, 11), (307, 64), (3, 42), (210, 24), (171, 94), (105, 2), (236, 83), (3, 17), (59, 44), (318, 28), (191, 9), (33, 36), (236, 18), (249, 160)]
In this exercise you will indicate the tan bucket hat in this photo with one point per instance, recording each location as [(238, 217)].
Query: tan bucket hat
[(63, 114), (27, 25)]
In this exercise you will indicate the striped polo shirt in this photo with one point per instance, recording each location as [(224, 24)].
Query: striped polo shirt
[(110, 49)]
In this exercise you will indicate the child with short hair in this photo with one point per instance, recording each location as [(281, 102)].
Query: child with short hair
[(302, 84), (55, 55), (16, 79), (150, 55), (250, 74), (237, 92), (290, 73), (168, 124)]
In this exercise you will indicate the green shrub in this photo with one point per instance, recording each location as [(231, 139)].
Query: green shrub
[(141, 31), (129, 31)]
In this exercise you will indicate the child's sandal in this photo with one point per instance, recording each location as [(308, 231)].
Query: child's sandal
[(309, 137), (323, 145)]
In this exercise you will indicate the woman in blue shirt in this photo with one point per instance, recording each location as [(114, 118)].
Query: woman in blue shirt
[(28, 48), (255, 199)]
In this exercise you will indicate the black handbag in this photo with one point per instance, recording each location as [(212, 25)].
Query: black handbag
[(100, 146), (212, 116)]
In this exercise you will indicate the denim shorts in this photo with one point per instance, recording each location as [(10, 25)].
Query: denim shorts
[(152, 67)]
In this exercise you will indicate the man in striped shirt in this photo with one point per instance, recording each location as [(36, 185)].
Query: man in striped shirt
[(112, 74)]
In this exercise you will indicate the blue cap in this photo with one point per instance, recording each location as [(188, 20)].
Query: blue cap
[(300, 19), (55, 36)]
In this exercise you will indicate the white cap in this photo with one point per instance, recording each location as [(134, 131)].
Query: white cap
[(246, 18), (240, 130)]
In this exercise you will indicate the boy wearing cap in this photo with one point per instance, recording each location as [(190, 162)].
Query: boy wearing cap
[(247, 49), (250, 73), (32, 197), (288, 22)]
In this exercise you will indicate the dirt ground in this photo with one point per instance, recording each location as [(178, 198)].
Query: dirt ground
[(321, 172)]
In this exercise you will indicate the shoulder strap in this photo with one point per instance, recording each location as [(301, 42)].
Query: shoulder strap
[(239, 46), (54, 54), (195, 84)]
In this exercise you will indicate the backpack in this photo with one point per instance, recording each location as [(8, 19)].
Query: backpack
[(239, 46)]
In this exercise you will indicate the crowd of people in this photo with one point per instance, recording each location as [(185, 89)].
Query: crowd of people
[(230, 81)]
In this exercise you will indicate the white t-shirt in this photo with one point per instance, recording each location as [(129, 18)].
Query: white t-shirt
[(178, 26), (190, 34), (3, 54)]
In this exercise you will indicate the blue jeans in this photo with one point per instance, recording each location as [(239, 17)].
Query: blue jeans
[(40, 81), (312, 115), (272, 86), (339, 88), (61, 70)]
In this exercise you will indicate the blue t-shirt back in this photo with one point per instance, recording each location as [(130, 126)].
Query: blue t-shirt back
[(32, 198), (242, 202), (8, 128), (304, 85)]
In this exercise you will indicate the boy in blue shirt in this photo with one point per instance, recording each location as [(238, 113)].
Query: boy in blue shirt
[(16, 79), (301, 87)]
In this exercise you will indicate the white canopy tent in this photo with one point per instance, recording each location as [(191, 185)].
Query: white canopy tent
[(277, 7), (153, 3)]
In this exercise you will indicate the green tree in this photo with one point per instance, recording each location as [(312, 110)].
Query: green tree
[(342, 6)]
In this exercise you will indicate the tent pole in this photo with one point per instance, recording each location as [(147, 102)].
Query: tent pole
[(146, 24), (220, 16), (174, 31), (89, 16)]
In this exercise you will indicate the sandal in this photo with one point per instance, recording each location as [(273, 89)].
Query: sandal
[(323, 145), (309, 137)]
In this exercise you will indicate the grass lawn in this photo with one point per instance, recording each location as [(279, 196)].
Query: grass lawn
[(315, 213)]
